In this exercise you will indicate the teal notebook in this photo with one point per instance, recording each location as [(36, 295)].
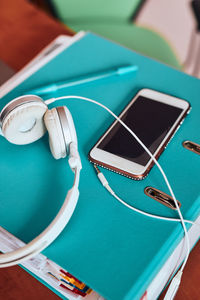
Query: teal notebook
[(116, 251)]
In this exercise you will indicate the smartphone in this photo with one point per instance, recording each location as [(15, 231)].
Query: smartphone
[(154, 117)]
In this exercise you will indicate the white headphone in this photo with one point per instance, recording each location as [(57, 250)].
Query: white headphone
[(23, 121), (62, 138)]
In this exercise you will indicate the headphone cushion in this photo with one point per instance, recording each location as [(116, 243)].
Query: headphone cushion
[(71, 126), (24, 124), (56, 137)]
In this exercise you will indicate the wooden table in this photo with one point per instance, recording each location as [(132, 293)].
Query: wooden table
[(24, 31)]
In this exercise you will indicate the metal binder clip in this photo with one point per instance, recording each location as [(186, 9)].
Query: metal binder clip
[(192, 146), (161, 197)]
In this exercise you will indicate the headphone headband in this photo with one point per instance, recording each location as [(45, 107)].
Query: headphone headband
[(24, 120), (49, 234)]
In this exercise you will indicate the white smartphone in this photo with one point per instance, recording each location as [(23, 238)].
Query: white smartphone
[(154, 117)]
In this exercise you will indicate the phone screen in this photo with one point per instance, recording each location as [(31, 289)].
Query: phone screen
[(150, 120)]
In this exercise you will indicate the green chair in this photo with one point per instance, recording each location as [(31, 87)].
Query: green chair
[(112, 19), (95, 10)]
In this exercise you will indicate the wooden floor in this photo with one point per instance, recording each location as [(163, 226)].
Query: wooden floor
[(24, 31)]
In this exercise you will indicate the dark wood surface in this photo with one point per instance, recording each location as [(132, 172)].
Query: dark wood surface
[(24, 31)]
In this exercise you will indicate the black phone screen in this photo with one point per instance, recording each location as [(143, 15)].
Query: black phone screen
[(150, 120)]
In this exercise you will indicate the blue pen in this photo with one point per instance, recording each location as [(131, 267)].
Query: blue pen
[(84, 79)]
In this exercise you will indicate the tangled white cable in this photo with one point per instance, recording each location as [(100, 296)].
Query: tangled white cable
[(176, 280)]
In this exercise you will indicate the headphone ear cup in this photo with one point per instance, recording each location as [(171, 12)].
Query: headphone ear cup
[(70, 124), (22, 119), (56, 136)]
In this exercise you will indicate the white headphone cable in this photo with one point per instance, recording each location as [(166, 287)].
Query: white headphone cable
[(106, 185), (176, 280)]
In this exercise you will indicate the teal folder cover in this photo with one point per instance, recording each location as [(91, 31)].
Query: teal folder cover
[(116, 251)]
